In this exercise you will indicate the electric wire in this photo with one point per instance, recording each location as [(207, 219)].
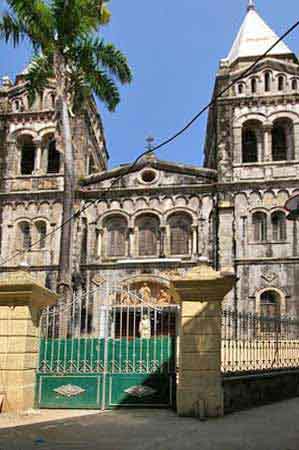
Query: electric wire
[(150, 151)]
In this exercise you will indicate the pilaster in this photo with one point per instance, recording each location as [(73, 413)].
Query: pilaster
[(21, 301), (200, 391)]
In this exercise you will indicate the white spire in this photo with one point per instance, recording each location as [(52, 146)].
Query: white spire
[(255, 38)]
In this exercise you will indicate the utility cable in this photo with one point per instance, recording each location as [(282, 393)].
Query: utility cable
[(131, 167)]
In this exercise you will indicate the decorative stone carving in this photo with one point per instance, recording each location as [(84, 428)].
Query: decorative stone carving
[(69, 390), (145, 293), (269, 276), (98, 280), (140, 391), (164, 298)]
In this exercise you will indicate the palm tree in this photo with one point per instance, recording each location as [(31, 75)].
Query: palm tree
[(67, 48)]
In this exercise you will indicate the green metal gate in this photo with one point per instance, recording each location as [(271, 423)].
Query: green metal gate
[(109, 348)]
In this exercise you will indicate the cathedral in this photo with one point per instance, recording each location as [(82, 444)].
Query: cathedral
[(164, 218)]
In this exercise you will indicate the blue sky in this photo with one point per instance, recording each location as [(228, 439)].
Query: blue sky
[(174, 49)]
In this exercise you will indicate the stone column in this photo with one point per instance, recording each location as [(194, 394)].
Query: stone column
[(296, 141), (267, 142), (226, 232), (92, 245), (130, 242), (237, 145), (194, 240), (13, 159), (100, 242), (162, 241), (200, 392), (21, 300), (38, 157)]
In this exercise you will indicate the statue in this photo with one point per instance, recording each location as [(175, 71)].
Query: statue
[(145, 292), (127, 299), (145, 327), (164, 297)]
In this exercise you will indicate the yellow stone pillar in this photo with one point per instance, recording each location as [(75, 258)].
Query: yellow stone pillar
[(201, 292), (21, 301)]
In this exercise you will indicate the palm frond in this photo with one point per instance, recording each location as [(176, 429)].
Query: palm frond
[(39, 72), (94, 54), (36, 18), (80, 90), (11, 29), (76, 18), (104, 88), (113, 59)]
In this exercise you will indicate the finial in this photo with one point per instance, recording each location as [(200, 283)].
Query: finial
[(150, 140), (251, 5)]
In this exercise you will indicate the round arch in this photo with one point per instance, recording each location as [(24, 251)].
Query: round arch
[(278, 292), (147, 212), (181, 210), (111, 214), (243, 118)]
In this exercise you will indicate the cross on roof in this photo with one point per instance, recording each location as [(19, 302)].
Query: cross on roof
[(251, 5), (150, 140)]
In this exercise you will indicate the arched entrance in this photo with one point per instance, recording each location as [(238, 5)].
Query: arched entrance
[(124, 355)]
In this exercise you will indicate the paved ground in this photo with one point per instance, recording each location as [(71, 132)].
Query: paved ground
[(273, 427)]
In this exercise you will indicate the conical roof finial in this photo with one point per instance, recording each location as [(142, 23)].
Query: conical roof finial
[(251, 5)]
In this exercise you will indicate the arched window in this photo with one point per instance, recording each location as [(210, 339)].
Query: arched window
[(279, 226), (180, 234), (259, 222), (251, 141), (25, 235), (253, 85), (148, 236), (17, 105), (267, 82), (270, 310), (280, 83), (52, 99), (53, 157), (91, 165), (116, 238), (27, 155), (294, 85), (241, 88), (41, 228), (282, 140)]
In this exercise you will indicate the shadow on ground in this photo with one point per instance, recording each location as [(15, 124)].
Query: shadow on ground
[(272, 427)]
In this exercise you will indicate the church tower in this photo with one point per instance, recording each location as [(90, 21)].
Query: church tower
[(253, 142)]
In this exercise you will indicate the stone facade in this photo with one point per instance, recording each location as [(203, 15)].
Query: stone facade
[(163, 217)]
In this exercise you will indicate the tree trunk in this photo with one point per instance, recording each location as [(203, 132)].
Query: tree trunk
[(64, 137), (65, 262)]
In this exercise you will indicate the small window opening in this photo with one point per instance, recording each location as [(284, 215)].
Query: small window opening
[(259, 227), (26, 238), (148, 176), (294, 85), (281, 83), (241, 89), (42, 232), (267, 82), (279, 226), (253, 85), (250, 146), (270, 310), (53, 158), (27, 157)]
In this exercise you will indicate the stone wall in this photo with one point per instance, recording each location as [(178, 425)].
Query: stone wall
[(246, 392)]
